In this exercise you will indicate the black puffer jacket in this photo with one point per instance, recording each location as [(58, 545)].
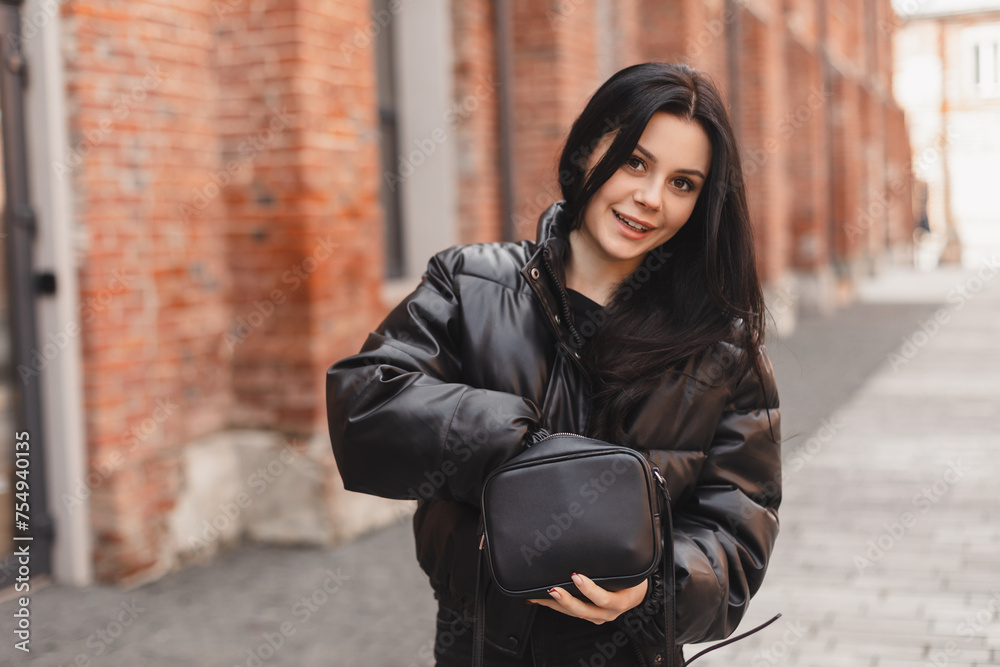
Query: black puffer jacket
[(462, 369)]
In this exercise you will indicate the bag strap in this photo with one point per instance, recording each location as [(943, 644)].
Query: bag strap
[(669, 596), (478, 635)]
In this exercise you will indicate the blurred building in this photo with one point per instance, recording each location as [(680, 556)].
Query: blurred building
[(231, 194), (947, 78)]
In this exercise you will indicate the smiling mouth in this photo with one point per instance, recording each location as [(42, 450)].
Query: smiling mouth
[(631, 224)]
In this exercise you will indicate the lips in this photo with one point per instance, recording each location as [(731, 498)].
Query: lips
[(632, 223)]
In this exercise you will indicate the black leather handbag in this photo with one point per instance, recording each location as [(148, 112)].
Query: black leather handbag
[(572, 504), (569, 504)]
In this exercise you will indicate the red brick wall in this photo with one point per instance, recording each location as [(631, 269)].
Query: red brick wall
[(154, 289), (555, 71), (765, 151), (688, 31), (305, 247), (629, 30), (476, 118), (338, 198), (803, 128), (846, 166), (259, 119), (663, 32), (225, 165), (230, 191)]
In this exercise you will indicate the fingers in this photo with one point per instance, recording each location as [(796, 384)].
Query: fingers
[(594, 593), (607, 606), (597, 613)]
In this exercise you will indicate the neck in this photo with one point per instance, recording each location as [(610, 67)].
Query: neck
[(590, 272)]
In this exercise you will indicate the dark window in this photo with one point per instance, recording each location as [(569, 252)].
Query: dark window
[(388, 140)]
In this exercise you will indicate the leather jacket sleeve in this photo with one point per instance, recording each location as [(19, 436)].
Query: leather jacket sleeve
[(725, 531), (402, 424)]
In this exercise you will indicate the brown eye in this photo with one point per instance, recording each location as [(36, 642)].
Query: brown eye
[(635, 163)]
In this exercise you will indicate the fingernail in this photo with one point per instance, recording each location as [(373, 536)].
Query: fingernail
[(554, 593), (576, 578)]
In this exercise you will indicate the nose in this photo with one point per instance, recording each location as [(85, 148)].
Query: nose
[(648, 196)]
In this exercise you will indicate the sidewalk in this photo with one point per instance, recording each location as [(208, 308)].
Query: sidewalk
[(889, 552)]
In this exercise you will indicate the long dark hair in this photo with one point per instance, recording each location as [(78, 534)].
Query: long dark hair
[(706, 284)]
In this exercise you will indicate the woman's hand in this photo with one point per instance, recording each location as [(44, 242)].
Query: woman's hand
[(607, 605)]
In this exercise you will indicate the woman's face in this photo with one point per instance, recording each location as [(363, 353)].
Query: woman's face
[(651, 195)]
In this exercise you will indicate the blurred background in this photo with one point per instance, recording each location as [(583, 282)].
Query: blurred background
[(208, 202)]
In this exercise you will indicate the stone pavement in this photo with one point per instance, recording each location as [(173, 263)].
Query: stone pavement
[(889, 552)]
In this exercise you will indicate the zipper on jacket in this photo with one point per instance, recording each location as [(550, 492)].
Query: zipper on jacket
[(554, 320), (563, 299)]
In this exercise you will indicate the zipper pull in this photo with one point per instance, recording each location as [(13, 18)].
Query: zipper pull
[(659, 479)]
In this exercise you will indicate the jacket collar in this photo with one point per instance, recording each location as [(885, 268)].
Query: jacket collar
[(553, 223), (553, 232), (552, 245)]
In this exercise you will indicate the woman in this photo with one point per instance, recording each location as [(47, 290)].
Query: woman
[(636, 317)]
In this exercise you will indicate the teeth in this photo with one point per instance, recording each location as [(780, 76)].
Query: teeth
[(630, 223)]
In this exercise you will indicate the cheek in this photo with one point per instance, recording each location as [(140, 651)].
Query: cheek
[(684, 213)]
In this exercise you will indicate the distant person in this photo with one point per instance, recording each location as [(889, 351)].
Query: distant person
[(636, 317)]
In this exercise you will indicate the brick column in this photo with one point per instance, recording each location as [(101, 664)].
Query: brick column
[(153, 287), (297, 120), (803, 128), (689, 31), (765, 151), (555, 71), (475, 118)]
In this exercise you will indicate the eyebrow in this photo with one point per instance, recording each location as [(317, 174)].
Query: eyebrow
[(649, 156)]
